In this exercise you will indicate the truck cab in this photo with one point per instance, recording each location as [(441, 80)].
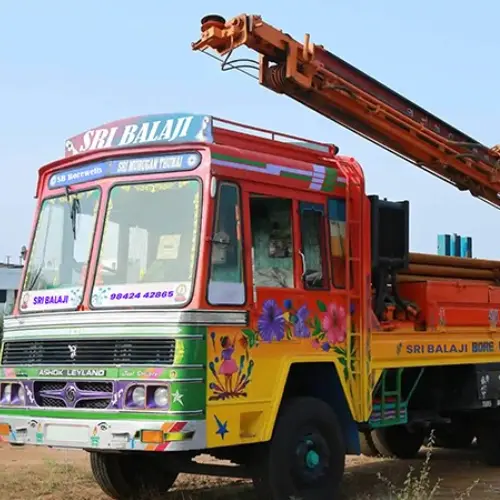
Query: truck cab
[(181, 268)]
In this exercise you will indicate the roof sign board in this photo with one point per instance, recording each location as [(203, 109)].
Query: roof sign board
[(141, 130)]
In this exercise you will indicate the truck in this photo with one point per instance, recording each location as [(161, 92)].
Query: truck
[(197, 286)]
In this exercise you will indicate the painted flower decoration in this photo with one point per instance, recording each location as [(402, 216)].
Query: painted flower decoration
[(301, 329), (334, 324), (75, 296), (271, 322), (100, 295), (243, 342)]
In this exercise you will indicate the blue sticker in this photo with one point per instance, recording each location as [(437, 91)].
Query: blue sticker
[(161, 294), (221, 427), (125, 166)]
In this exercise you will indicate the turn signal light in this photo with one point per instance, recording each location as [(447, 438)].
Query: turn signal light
[(152, 437)]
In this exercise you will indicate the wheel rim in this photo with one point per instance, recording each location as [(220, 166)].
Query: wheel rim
[(312, 458)]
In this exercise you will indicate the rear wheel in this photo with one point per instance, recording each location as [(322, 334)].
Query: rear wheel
[(306, 455), (131, 476), (367, 446), (398, 441), (454, 437), (488, 439)]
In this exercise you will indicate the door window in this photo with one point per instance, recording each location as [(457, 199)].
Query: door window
[(337, 223), (271, 226), (226, 285), (313, 245)]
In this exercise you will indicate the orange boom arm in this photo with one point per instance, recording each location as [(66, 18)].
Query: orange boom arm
[(325, 83)]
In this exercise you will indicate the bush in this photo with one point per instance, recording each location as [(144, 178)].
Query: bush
[(420, 486)]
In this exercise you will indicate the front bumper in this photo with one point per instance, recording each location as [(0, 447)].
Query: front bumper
[(104, 435)]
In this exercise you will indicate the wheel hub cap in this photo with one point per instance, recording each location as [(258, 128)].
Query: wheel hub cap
[(312, 458)]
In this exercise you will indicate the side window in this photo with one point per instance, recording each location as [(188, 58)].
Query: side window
[(225, 286), (313, 244), (271, 226), (337, 222)]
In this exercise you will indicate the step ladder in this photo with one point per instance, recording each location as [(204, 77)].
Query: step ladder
[(358, 292), (390, 407)]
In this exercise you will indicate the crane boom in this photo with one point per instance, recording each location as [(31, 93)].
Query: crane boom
[(332, 87)]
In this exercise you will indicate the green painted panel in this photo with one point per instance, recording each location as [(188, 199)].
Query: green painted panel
[(235, 159), (98, 415)]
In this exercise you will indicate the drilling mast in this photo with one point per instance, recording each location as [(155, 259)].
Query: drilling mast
[(332, 87)]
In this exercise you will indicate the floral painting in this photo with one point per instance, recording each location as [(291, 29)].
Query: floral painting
[(327, 331), (231, 376)]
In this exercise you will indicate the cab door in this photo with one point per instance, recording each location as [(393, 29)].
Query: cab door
[(293, 299), (326, 304)]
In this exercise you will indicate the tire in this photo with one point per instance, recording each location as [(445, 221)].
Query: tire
[(454, 437), (131, 476), (398, 441), (367, 446), (488, 439), (306, 456)]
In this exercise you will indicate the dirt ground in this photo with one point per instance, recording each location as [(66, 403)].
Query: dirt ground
[(39, 473)]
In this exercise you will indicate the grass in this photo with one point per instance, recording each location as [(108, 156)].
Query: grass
[(49, 481), (67, 477), (419, 485), (52, 479)]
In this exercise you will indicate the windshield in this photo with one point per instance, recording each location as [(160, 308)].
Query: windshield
[(149, 246), (56, 268)]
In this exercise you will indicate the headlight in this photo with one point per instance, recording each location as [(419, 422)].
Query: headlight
[(161, 396), (7, 393), (139, 396), (21, 395)]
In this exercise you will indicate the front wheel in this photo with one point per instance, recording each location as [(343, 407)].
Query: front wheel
[(306, 456), (131, 476), (398, 441)]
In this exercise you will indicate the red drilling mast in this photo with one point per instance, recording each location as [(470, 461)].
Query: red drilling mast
[(325, 83)]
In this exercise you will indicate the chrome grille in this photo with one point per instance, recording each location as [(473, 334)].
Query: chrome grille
[(95, 386), (73, 394), (50, 402), (89, 352), (49, 386), (96, 404)]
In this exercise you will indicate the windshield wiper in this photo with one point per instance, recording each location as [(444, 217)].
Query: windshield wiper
[(74, 211), (34, 279)]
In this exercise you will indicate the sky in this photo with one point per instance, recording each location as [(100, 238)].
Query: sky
[(66, 67)]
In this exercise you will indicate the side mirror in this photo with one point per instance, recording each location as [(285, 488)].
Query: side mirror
[(23, 254)]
